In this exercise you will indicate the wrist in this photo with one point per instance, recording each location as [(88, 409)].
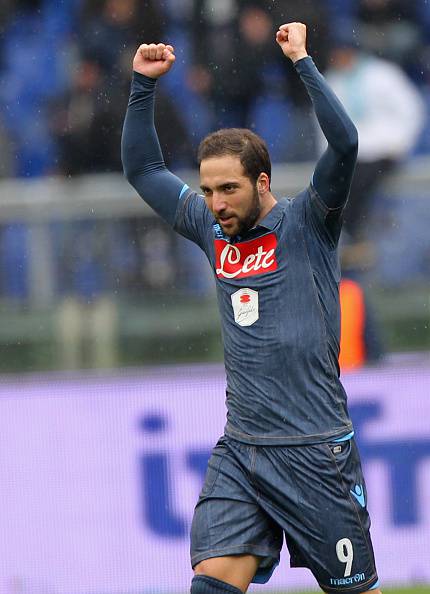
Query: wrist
[(148, 76), (144, 77), (298, 56), (141, 82)]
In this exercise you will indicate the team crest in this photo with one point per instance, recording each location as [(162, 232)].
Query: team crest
[(245, 307)]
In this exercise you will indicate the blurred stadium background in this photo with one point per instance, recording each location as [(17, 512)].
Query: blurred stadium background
[(111, 390)]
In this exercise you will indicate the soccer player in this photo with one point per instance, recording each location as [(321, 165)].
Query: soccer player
[(287, 463)]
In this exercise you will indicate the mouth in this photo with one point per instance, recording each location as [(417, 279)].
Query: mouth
[(226, 221)]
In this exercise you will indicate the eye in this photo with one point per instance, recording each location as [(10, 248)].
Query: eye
[(229, 188)]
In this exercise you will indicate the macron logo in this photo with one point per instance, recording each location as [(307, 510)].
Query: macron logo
[(359, 495)]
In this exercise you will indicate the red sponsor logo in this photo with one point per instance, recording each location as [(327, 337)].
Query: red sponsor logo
[(246, 259)]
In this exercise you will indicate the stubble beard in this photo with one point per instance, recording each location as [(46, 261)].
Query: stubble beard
[(248, 221)]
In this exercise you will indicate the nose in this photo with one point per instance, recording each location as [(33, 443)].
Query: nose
[(218, 203)]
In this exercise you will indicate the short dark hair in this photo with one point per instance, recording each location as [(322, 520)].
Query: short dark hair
[(249, 147)]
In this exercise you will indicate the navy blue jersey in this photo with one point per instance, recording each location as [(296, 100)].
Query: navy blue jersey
[(277, 285), (277, 290)]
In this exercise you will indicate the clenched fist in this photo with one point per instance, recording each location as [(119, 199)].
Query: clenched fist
[(154, 59), (292, 39)]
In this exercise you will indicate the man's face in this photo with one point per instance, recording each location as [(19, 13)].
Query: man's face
[(229, 194)]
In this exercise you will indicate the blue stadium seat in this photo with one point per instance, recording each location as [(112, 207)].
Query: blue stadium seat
[(30, 45), (194, 108), (342, 10), (14, 261), (271, 120)]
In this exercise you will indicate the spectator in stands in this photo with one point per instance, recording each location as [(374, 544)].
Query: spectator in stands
[(391, 29), (88, 118), (6, 167), (302, 135), (360, 338), (5, 14), (6, 151), (86, 317), (110, 30), (389, 114), (86, 123), (34, 63), (239, 29), (359, 344)]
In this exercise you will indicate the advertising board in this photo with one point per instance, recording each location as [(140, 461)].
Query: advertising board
[(99, 475)]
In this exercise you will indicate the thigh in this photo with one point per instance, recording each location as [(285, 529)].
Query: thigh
[(236, 570), (325, 518), (228, 520)]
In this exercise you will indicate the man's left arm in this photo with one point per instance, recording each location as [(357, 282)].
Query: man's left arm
[(334, 170)]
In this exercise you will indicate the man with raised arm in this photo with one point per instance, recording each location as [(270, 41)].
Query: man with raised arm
[(287, 463)]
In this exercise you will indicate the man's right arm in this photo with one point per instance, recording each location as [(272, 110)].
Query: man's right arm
[(142, 158)]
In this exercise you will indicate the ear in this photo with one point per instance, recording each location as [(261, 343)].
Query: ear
[(263, 183)]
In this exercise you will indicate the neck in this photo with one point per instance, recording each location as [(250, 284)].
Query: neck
[(267, 202)]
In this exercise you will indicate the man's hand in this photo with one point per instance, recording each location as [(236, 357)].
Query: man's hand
[(154, 59), (292, 39)]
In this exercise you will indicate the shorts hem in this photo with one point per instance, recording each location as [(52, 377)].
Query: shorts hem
[(234, 550), (356, 589), (292, 440)]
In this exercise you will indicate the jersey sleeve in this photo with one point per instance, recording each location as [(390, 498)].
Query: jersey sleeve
[(319, 220), (193, 219), (146, 171), (334, 170), (141, 153), (327, 221)]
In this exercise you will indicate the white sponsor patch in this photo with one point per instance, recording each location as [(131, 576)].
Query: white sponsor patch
[(245, 306)]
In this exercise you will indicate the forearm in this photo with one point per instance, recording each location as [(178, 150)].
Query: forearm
[(333, 173), (337, 126), (142, 157)]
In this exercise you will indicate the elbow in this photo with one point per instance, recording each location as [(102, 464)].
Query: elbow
[(131, 176), (129, 173), (351, 146), (127, 165), (130, 167), (345, 141)]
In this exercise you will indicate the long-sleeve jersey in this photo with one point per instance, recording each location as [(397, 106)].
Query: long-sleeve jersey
[(277, 284)]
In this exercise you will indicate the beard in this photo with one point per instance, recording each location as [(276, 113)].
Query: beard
[(248, 220)]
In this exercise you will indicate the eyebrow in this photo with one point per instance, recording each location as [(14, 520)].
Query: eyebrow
[(223, 185)]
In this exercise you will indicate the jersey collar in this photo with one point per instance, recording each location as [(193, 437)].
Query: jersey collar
[(271, 219)]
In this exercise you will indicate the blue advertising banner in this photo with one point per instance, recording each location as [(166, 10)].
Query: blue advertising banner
[(99, 476)]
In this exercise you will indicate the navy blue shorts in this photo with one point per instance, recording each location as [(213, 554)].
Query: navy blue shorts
[(315, 495)]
